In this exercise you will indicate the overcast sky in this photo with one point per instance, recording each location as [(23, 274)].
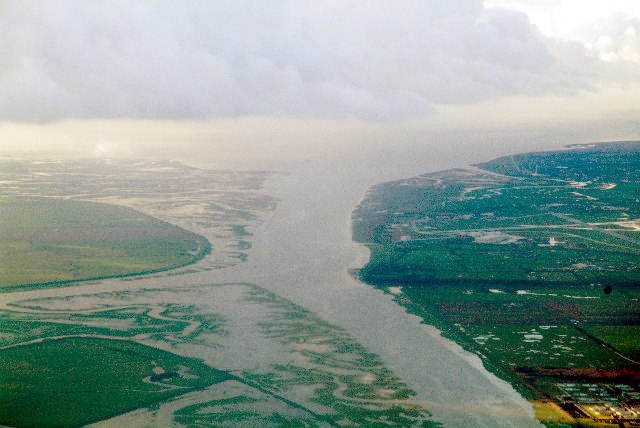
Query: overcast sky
[(374, 61)]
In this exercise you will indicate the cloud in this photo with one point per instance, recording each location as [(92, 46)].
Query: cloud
[(615, 38), (373, 60), (607, 30)]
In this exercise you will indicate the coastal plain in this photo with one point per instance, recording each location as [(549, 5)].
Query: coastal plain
[(532, 262)]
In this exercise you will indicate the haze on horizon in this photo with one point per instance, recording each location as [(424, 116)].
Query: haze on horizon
[(112, 78)]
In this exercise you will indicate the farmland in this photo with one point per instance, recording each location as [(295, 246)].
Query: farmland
[(531, 261)]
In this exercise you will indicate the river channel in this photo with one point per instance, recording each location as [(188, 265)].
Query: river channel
[(302, 251)]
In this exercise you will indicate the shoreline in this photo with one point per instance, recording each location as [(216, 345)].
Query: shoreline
[(398, 337), (303, 251)]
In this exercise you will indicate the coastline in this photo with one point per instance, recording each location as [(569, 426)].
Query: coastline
[(320, 278), (303, 251), (361, 255)]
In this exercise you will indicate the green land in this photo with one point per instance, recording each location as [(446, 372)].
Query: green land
[(98, 352), (532, 262), (182, 352), (46, 242), (52, 383)]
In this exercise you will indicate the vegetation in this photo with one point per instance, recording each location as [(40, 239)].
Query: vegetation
[(532, 261), (312, 372), (54, 241), (52, 383), (307, 372)]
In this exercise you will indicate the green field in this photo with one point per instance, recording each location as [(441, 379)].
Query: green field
[(531, 261), (49, 242), (59, 382)]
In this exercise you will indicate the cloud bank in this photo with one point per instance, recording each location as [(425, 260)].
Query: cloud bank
[(376, 60)]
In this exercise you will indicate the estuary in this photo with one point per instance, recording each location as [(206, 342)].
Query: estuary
[(275, 307)]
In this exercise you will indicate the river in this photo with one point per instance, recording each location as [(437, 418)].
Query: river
[(303, 252)]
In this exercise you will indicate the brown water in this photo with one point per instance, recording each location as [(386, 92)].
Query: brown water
[(303, 252)]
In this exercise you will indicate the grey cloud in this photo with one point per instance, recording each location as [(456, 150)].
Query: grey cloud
[(191, 60)]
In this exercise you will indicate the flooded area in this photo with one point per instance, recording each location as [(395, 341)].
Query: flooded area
[(277, 306), (307, 257)]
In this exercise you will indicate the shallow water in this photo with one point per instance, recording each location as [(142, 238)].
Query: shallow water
[(303, 252)]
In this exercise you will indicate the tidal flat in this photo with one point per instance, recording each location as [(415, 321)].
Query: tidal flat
[(271, 361), (273, 305), (281, 361)]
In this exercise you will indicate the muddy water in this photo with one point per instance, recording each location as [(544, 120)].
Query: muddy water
[(304, 252)]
